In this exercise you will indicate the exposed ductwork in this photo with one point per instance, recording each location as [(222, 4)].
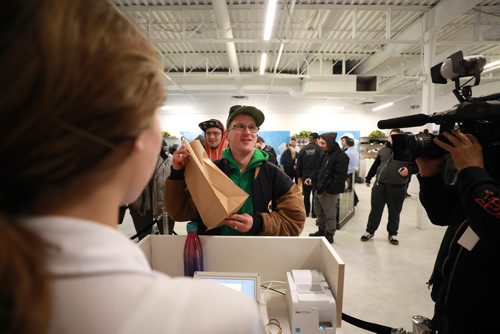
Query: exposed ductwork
[(224, 23)]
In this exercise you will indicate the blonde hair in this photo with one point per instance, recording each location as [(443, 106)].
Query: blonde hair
[(77, 78)]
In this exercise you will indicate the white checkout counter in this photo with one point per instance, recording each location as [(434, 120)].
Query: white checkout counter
[(272, 257)]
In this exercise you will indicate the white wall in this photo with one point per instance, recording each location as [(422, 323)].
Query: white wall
[(285, 112)]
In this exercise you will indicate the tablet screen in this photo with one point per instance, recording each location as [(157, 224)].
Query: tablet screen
[(247, 283)]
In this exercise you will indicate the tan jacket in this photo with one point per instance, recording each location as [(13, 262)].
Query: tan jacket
[(278, 205)]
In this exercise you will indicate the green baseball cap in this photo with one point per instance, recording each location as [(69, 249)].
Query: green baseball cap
[(234, 111)]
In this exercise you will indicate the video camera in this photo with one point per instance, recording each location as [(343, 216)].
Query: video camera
[(476, 116)]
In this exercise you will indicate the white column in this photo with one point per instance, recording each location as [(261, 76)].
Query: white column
[(427, 95)]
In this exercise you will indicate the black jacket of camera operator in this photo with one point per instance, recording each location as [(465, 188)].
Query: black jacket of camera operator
[(464, 280)]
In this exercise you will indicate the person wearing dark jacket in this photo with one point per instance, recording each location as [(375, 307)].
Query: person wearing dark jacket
[(261, 144), (329, 182), (464, 280), (392, 177), (148, 209), (288, 160), (308, 159), (274, 206)]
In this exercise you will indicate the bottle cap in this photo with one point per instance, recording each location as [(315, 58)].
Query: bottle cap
[(192, 227)]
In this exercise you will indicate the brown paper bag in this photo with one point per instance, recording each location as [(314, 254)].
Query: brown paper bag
[(213, 193)]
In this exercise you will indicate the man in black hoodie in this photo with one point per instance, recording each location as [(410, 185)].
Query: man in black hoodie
[(328, 181)]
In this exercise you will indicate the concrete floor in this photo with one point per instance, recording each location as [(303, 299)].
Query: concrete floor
[(384, 284)]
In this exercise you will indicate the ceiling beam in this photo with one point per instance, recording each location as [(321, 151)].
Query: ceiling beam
[(294, 40), (445, 12), (224, 23), (368, 7)]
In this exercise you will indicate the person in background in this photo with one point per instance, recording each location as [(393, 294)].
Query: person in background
[(296, 148), (307, 161), (293, 144), (287, 160), (164, 145), (464, 280), (274, 206), (353, 154), (170, 221), (85, 109), (329, 182), (173, 148), (389, 189), (149, 209), (261, 144), (201, 138), (215, 138)]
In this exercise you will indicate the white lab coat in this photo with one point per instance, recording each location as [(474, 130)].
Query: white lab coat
[(104, 284)]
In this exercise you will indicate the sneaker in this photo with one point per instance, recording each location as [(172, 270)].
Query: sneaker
[(367, 236), (317, 234), (393, 240)]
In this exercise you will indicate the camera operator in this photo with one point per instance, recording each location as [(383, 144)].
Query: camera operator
[(464, 282)]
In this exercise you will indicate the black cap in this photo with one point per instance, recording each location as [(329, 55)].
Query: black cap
[(257, 115), (313, 135), (211, 123)]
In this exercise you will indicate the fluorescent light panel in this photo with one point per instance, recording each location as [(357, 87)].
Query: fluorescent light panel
[(279, 57), (177, 108), (271, 11), (383, 106), (263, 61), (494, 65)]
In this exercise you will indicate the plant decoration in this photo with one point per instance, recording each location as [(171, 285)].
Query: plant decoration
[(303, 134), (377, 134), (166, 134)]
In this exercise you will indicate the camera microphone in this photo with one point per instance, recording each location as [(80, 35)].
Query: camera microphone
[(404, 122), (457, 66), (470, 66)]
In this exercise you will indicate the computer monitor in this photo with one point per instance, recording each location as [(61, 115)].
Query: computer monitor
[(247, 283)]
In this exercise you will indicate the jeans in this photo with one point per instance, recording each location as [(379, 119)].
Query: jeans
[(325, 205)]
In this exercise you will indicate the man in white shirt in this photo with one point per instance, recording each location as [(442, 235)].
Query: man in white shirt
[(353, 154)]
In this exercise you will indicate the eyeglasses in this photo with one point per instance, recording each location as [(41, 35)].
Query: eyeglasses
[(241, 128), (215, 133)]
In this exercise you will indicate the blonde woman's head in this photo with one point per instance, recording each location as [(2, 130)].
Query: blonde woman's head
[(77, 78), (77, 81)]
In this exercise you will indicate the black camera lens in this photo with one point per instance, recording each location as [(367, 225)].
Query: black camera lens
[(407, 146)]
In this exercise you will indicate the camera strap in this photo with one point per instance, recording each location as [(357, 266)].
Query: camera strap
[(370, 326)]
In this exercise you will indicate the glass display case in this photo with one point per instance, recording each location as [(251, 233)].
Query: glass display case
[(369, 147)]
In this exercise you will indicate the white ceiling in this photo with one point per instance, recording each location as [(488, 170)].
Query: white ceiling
[(327, 46)]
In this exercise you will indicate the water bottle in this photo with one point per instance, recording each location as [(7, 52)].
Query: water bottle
[(193, 254)]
